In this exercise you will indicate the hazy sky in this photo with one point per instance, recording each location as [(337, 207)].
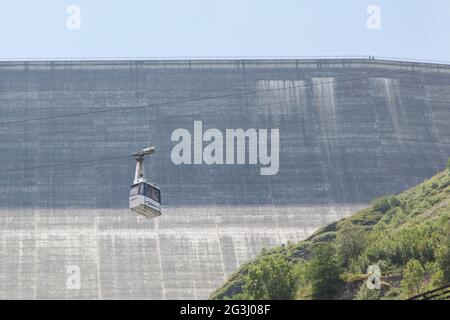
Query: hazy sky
[(210, 28)]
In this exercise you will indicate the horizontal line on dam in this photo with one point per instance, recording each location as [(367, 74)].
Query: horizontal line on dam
[(223, 63)]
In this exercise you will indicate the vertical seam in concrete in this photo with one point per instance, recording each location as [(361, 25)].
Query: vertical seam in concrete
[(276, 212), (35, 273), (220, 249), (99, 282), (433, 122), (4, 246), (235, 255), (20, 271), (158, 250)]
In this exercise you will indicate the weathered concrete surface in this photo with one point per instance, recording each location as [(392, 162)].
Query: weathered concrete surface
[(185, 254), (350, 130)]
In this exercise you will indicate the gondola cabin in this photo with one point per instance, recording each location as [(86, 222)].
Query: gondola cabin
[(145, 198)]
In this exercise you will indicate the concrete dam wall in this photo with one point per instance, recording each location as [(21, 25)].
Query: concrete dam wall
[(349, 131)]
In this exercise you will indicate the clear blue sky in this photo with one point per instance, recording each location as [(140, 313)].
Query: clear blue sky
[(186, 28)]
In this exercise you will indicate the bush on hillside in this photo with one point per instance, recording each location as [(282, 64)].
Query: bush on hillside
[(323, 272), (412, 280), (398, 248), (350, 242), (443, 259), (272, 278), (384, 204), (364, 293)]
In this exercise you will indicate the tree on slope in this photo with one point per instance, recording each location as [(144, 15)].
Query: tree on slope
[(272, 278), (412, 280), (323, 272)]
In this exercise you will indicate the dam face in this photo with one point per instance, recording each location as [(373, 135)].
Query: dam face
[(349, 131)]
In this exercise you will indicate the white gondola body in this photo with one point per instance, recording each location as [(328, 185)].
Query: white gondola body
[(145, 203)]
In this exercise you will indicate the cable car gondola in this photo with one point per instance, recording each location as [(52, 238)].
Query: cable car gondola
[(145, 196)]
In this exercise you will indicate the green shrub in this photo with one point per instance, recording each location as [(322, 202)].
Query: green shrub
[(435, 276), (364, 293), (448, 165), (446, 229), (325, 237), (384, 204), (323, 272), (443, 259), (272, 278), (412, 278), (350, 243), (398, 248)]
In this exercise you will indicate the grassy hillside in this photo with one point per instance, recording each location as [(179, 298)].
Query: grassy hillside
[(407, 236)]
